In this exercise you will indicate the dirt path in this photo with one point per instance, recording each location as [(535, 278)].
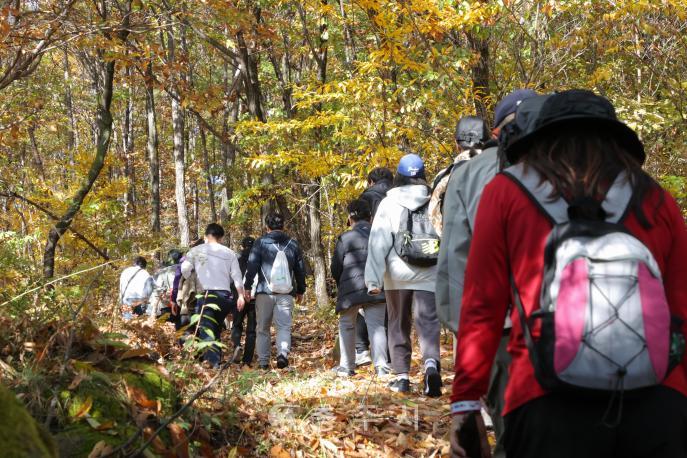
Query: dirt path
[(306, 411)]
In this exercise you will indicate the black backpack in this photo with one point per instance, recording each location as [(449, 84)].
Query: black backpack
[(416, 241)]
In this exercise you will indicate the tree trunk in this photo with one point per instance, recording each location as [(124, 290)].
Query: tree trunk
[(316, 248), (104, 130), (349, 43), (72, 135), (480, 73), (178, 141), (208, 175), (152, 151), (128, 147)]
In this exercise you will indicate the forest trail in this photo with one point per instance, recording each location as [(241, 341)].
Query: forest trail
[(306, 410)]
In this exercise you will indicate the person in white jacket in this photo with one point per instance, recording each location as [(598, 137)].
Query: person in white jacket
[(409, 288), (135, 287)]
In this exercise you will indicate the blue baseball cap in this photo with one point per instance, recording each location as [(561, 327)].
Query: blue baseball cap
[(411, 165), (509, 104)]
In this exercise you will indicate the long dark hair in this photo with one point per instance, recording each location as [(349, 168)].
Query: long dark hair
[(401, 180), (581, 161)]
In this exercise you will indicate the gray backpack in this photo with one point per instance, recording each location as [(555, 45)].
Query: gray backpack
[(604, 317)]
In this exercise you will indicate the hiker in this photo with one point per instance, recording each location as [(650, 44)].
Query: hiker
[(465, 186), (161, 301), (348, 270), (470, 137), (277, 261), (402, 253), (379, 181), (247, 313), (135, 287), (216, 267), (591, 253)]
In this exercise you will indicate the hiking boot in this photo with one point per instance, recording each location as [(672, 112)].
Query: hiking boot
[(400, 385), (363, 358), (433, 382), (282, 361), (341, 371)]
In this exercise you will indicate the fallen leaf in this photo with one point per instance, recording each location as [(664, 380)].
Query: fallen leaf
[(85, 408), (157, 443), (179, 440), (100, 449), (329, 445), (135, 353), (139, 397), (77, 381), (278, 452)]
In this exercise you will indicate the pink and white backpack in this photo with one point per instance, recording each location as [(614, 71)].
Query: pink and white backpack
[(604, 316)]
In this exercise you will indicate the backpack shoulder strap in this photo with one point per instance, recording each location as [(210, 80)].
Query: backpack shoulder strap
[(538, 191), (618, 198)]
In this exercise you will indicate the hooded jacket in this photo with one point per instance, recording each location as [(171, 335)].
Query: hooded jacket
[(262, 257), (348, 268), (384, 268), (462, 197), (375, 194)]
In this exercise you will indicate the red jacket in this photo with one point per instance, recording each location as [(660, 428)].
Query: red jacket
[(509, 226)]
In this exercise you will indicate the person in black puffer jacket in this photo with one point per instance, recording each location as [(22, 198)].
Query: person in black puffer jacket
[(379, 181), (348, 269)]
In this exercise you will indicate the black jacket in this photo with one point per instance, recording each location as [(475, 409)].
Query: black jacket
[(375, 193), (262, 257), (348, 268)]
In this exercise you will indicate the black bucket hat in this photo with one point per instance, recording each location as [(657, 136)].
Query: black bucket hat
[(539, 114)]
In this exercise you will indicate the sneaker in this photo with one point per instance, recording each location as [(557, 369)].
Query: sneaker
[(236, 356), (400, 385), (264, 367), (282, 361), (433, 382), (383, 371), (341, 371), (363, 358)]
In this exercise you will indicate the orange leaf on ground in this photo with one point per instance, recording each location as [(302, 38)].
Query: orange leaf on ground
[(179, 440), (278, 452)]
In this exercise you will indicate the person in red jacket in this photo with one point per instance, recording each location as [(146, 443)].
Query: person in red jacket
[(579, 148)]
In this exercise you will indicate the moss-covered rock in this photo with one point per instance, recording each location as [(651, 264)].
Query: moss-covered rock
[(109, 404), (20, 435)]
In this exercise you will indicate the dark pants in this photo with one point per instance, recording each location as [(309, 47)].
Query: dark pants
[(495, 394), (653, 425), (362, 340), (179, 320), (237, 330), (404, 306), (211, 320)]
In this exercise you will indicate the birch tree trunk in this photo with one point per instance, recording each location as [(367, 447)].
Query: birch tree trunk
[(178, 138), (152, 150)]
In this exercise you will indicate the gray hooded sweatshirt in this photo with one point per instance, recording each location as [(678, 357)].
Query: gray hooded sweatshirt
[(384, 268)]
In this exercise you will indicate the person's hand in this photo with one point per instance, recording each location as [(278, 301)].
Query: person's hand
[(299, 299), (247, 295), (174, 308), (241, 303), (456, 424), (374, 291), (468, 436)]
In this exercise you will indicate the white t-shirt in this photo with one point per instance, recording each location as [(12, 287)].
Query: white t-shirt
[(216, 267), (135, 284)]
